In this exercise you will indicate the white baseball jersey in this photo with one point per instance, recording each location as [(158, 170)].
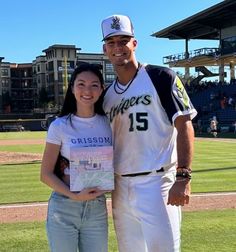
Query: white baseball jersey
[(142, 114)]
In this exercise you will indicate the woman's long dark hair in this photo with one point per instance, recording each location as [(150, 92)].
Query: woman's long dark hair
[(69, 106)]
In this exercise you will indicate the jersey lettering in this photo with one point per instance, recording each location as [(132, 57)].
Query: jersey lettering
[(140, 123), (125, 104)]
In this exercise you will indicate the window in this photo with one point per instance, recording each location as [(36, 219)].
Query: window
[(96, 62), (228, 45), (50, 66), (60, 89), (60, 77), (110, 77), (59, 63), (109, 67), (51, 77), (5, 83), (4, 72)]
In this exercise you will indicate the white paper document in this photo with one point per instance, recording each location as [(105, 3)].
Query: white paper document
[(91, 167)]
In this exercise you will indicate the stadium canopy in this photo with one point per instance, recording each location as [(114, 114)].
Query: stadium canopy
[(203, 25)]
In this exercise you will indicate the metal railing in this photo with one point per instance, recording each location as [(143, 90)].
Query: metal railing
[(191, 54)]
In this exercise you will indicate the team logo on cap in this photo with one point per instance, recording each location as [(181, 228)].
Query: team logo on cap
[(115, 23)]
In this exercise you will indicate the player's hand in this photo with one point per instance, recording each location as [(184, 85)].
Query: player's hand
[(179, 193), (88, 194)]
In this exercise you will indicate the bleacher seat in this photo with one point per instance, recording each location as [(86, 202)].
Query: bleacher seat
[(209, 107)]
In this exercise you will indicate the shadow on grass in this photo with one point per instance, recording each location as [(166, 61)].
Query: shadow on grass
[(23, 163), (215, 169), (198, 171)]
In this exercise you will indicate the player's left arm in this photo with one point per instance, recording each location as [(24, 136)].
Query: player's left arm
[(180, 192), (185, 140)]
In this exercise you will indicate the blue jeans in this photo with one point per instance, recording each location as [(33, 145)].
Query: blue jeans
[(77, 225)]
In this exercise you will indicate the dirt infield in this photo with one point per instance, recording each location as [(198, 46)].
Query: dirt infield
[(37, 211), (19, 157), (21, 141)]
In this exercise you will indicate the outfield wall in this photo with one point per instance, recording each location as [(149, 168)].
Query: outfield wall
[(23, 125)]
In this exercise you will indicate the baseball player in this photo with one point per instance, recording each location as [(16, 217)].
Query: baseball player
[(213, 126), (150, 114)]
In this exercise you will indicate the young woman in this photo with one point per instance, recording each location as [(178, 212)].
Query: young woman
[(76, 220)]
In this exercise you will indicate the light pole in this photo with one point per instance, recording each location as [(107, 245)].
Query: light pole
[(1, 58), (65, 76)]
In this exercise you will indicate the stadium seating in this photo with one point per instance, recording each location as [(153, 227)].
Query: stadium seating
[(207, 102)]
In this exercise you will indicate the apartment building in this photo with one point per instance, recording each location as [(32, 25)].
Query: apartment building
[(5, 85), (39, 72), (61, 60), (22, 83), (23, 90), (60, 63), (99, 59)]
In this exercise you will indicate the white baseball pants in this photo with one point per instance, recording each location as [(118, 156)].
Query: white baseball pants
[(143, 220)]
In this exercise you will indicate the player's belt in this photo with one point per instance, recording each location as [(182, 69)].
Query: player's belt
[(141, 173)]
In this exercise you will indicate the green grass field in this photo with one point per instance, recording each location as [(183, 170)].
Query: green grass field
[(33, 148), (214, 166), (23, 135), (214, 169), (20, 183), (201, 232)]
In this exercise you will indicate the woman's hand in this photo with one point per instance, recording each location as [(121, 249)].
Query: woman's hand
[(87, 194)]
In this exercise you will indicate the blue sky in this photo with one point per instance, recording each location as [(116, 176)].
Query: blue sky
[(28, 27)]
